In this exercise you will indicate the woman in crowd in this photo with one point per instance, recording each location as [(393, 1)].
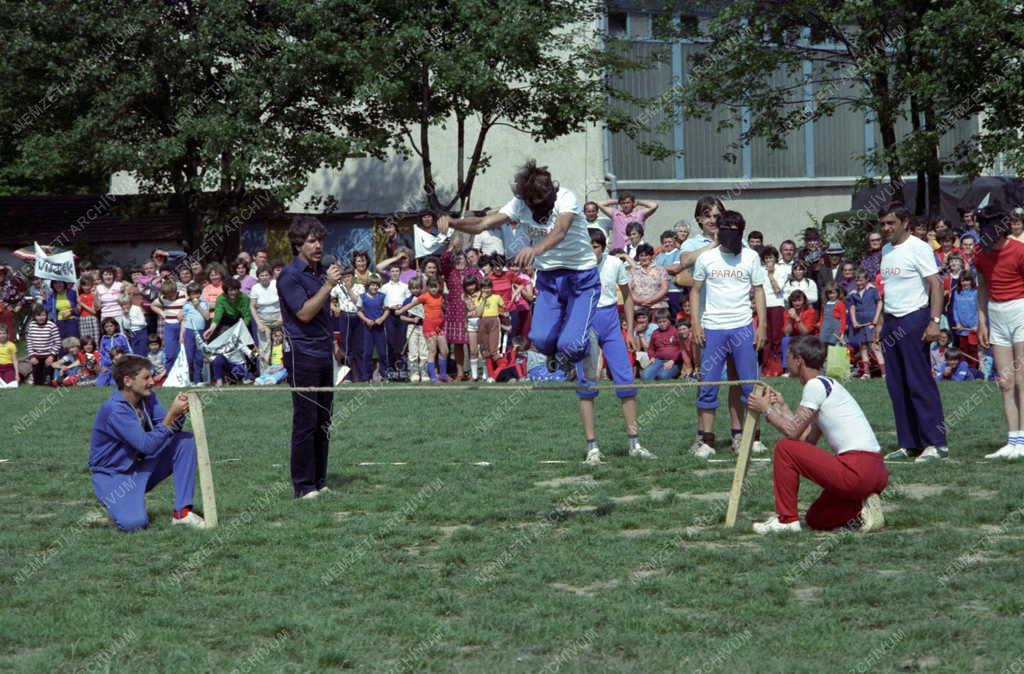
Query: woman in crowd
[(798, 281), (216, 274), (109, 292)]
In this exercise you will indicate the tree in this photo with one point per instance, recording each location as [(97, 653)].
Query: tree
[(537, 67), (891, 59), (238, 99)]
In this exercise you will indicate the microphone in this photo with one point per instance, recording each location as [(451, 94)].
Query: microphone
[(328, 260)]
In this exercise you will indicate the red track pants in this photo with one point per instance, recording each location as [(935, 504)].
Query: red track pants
[(847, 479)]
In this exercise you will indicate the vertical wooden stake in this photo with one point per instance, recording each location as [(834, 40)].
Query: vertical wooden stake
[(750, 422), (195, 408)]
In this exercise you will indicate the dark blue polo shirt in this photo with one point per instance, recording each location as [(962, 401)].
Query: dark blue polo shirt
[(299, 282)]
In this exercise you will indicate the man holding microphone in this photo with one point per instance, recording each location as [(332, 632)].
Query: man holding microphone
[(304, 288)]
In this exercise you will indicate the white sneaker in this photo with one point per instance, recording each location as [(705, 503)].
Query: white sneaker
[(774, 526), (642, 453), (871, 517), (1018, 453), (490, 380), (759, 447), (191, 520), (929, 454), (593, 457), (309, 496), (1004, 452), (702, 450), (414, 377), (324, 490)]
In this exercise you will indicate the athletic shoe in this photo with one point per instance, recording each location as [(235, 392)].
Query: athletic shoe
[(943, 452), (414, 378), (929, 454), (641, 453), (490, 380), (190, 520), (900, 454), (702, 450), (1004, 452), (593, 457), (324, 490), (774, 526), (871, 517), (310, 495), (759, 447), (1018, 453)]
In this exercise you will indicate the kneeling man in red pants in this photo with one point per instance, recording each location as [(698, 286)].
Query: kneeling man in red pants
[(852, 478)]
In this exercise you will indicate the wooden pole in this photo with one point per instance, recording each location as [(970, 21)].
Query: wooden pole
[(195, 408), (750, 422)]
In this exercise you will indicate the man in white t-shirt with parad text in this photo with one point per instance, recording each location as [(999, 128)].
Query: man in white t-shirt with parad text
[(852, 477), (723, 323), (911, 312)]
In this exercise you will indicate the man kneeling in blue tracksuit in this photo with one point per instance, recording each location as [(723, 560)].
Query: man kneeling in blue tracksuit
[(136, 445)]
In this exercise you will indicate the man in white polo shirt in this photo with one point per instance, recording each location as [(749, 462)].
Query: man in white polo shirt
[(723, 323), (911, 313), (606, 336), (852, 478)]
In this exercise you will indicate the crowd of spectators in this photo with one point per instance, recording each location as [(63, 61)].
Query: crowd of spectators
[(464, 314)]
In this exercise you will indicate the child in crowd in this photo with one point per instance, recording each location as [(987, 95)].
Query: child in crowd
[(642, 331), (415, 342), (43, 345), (512, 366), (957, 368), (194, 315), (62, 306), (106, 377), (133, 322), (471, 297), (90, 360), (67, 369), (864, 306), (112, 339), (374, 315), (832, 322), (800, 319), (491, 306), (8, 360), (396, 294), (274, 372), (798, 280), (965, 316), (88, 312), (433, 329), (938, 353), (169, 307), (686, 349), (664, 350), (157, 359), (627, 337)]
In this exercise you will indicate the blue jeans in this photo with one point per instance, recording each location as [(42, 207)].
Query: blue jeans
[(656, 370)]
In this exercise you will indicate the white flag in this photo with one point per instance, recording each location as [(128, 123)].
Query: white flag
[(56, 267), (427, 243)]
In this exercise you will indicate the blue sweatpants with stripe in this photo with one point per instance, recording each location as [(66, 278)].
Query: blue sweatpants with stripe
[(564, 311), (719, 345), (609, 336), (124, 494)]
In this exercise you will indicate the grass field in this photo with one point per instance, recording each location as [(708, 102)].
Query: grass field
[(515, 566)]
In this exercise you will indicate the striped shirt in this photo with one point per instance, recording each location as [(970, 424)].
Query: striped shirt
[(172, 308), (43, 339)]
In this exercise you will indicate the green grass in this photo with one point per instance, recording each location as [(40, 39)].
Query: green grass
[(440, 565)]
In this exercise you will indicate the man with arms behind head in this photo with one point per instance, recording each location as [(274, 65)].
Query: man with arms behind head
[(136, 445)]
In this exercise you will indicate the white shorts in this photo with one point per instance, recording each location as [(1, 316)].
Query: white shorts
[(473, 324), (1006, 322)]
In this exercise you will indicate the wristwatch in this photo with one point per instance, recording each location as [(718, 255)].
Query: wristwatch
[(937, 319)]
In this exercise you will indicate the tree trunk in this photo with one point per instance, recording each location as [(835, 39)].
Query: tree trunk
[(934, 166), (424, 109), (887, 129), (915, 124)]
